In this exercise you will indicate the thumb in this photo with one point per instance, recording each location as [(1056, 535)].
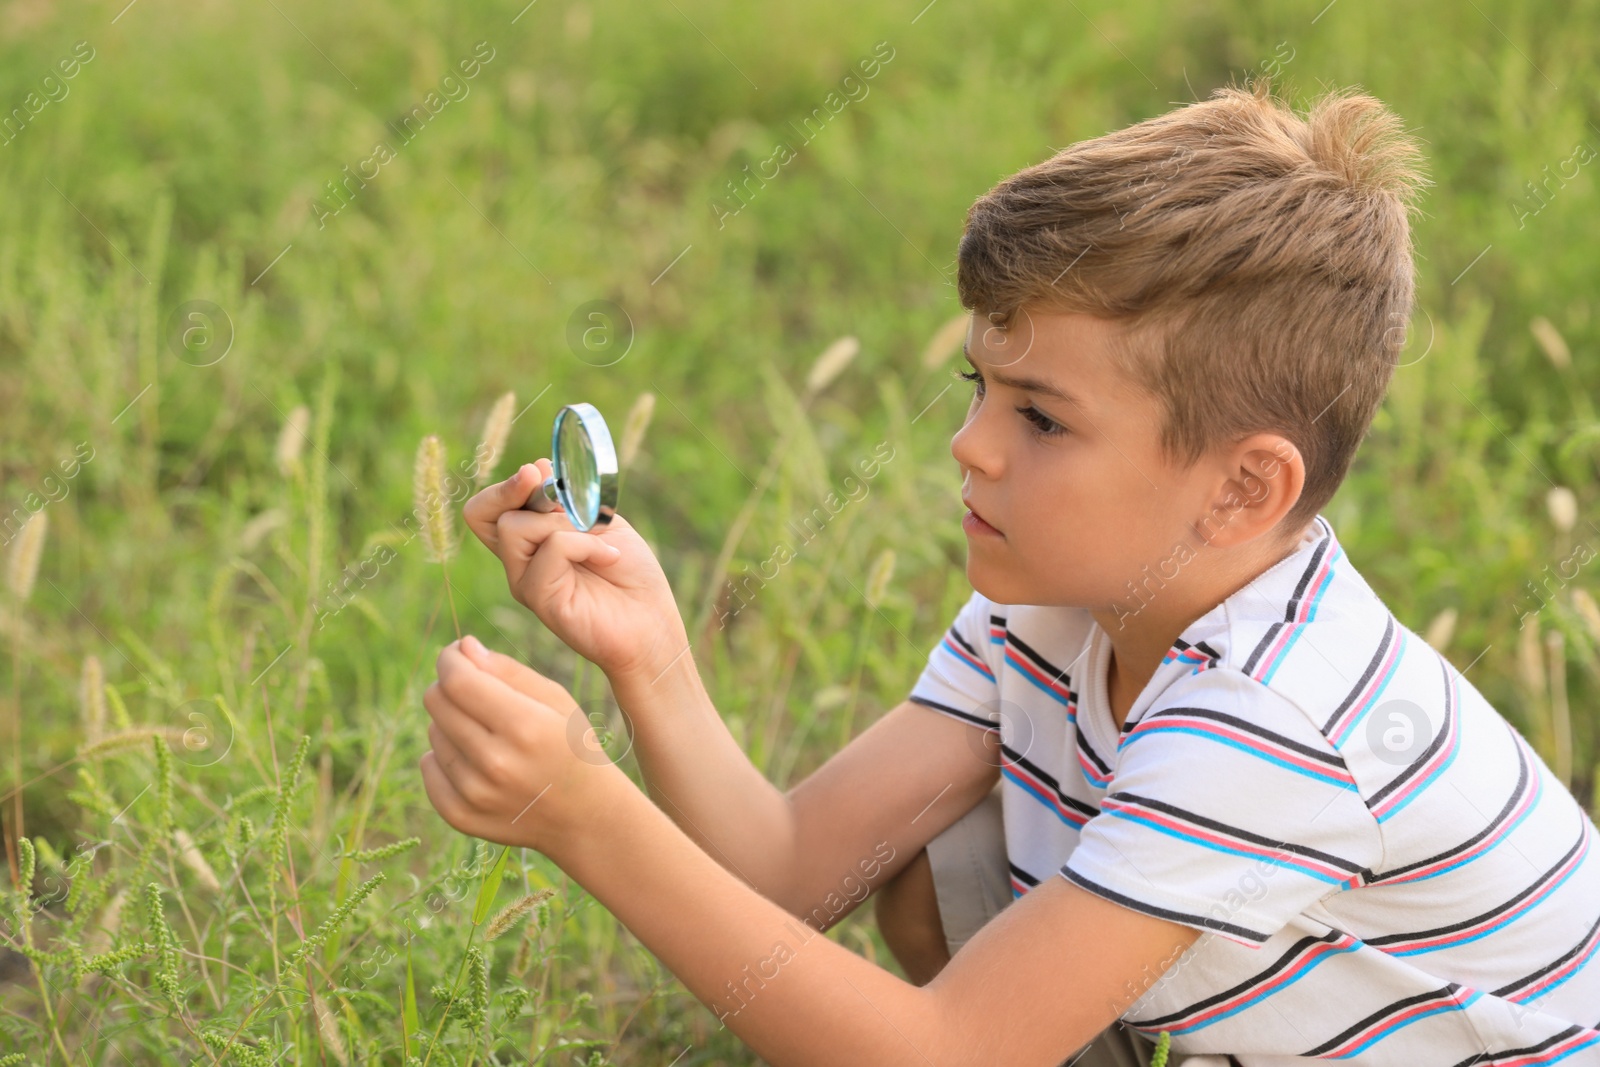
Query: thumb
[(517, 675)]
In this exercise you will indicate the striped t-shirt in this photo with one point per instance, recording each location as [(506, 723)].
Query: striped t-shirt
[(1381, 867)]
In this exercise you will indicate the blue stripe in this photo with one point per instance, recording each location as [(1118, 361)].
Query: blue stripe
[(1242, 747), (1416, 791), (1169, 831), (1311, 614), (1028, 675), (1529, 910), (1031, 790), (1258, 997), (1386, 1031), (965, 660)]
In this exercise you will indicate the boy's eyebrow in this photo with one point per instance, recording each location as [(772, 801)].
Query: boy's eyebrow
[(1029, 385)]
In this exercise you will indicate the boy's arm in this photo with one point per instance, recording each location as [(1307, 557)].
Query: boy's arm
[(1030, 988), (852, 825), (1034, 985)]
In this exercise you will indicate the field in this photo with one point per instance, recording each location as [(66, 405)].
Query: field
[(253, 255)]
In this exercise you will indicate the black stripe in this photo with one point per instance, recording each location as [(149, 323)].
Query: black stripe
[(962, 641), (1420, 935), (1323, 548), (957, 712), (1486, 1060), (1044, 776), (1366, 676), (1088, 750), (1302, 850), (1266, 642), (1289, 608), (1162, 913), (1023, 876), (1056, 673), (1446, 992), (1524, 780), (1446, 729), (1332, 759), (1300, 948), (1551, 966)]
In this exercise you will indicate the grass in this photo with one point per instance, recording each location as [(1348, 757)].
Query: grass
[(230, 623)]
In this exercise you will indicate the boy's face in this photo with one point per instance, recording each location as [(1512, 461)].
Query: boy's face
[(1082, 512)]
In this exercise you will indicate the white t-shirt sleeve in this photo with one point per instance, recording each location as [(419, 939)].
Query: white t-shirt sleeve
[(1228, 810), (960, 678)]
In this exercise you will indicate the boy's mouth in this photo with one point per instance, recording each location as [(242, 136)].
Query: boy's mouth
[(974, 523)]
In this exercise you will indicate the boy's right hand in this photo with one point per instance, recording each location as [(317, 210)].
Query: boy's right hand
[(604, 593)]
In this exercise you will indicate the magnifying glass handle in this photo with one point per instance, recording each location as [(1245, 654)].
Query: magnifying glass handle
[(544, 498)]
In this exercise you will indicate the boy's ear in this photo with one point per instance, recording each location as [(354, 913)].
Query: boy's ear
[(1262, 478)]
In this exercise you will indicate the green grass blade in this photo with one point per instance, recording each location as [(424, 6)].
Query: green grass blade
[(491, 886)]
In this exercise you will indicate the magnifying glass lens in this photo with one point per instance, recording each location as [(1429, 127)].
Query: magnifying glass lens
[(583, 476), (580, 474)]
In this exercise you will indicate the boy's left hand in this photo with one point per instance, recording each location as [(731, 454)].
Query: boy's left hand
[(504, 766)]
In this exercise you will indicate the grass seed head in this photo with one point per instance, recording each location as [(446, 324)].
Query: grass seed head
[(22, 566), (291, 439), (834, 359), (92, 699), (496, 428), (1562, 504), (945, 340), (633, 429), (1550, 340), (432, 506), (514, 912)]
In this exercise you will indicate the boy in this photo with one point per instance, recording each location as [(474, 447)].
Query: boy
[(1241, 803)]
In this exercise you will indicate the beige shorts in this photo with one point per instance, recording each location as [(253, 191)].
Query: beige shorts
[(972, 882)]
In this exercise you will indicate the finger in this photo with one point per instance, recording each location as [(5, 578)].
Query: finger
[(559, 553), (517, 675), (449, 803), (489, 503), (463, 771), (521, 533), (493, 703), (459, 725), (457, 766)]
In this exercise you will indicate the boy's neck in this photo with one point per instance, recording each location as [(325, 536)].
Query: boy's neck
[(1140, 640)]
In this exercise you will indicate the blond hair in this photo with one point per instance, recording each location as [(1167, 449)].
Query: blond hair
[(1259, 264)]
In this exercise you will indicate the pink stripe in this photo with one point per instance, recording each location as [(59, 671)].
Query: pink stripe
[(961, 654), (1507, 917), (1422, 776), (1091, 770), (1324, 576), (1028, 668), (1300, 614), (1197, 831), (1260, 744), (1555, 977), (1549, 1055), (1390, 1024), (1374, 686), (1033, 785), (1314, 955), (1528, 800)]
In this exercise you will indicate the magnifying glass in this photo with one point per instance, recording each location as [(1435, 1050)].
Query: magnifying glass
[(583, 464)]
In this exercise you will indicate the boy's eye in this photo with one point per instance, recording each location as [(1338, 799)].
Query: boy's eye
[(1042, 424)]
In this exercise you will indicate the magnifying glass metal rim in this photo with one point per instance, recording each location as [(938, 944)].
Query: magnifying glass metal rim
[(555, 493)]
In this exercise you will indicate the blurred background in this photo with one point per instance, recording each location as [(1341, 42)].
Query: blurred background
[(252, 256)]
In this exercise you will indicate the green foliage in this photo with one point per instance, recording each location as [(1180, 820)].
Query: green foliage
[(1158, 1057)]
